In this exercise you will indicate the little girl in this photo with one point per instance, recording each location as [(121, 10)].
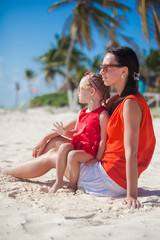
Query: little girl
[(88, 139)]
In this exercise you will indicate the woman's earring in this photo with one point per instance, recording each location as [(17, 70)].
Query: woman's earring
[(122, 76)]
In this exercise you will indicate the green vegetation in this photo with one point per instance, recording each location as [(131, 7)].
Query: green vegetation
[(153, 62), (52, 99)]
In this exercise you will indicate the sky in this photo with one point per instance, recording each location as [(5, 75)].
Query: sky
[(27, 31)]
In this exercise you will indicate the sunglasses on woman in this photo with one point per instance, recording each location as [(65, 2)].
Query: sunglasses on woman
[(105, 67)]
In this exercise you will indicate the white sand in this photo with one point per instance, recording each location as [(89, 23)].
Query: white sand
[(27, 212)]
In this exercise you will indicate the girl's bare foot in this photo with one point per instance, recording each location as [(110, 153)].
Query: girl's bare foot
[(55, 187)]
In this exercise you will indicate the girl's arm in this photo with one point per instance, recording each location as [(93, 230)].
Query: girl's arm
[(61, 130), (103, 120), (132, 115), (39, 147)]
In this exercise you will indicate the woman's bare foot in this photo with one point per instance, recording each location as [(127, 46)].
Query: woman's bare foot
[(2, 171), (55, 187), (72, 189)]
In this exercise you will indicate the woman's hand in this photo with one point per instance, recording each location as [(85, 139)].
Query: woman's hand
[(132, 203), (38, 149), (91, 162), (59, 128)]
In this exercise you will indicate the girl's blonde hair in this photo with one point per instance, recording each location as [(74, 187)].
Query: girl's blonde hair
[(97, 80)]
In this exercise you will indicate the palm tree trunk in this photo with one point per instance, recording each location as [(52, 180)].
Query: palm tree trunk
[(71, 99), (17, 98), (17, 94)]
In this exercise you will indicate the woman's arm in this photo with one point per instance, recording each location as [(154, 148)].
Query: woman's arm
[(103, 120), (132, 115)]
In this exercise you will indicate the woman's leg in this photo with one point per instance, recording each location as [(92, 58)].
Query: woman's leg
[(52, 144), (74, 159), (40, 165), (36, 168), (61, 164), (55, 143)]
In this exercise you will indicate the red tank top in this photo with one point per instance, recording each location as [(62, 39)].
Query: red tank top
[(113, 160), (88, 132)]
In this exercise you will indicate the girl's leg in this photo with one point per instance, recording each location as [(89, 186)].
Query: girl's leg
[(74, 159), (61, 163)]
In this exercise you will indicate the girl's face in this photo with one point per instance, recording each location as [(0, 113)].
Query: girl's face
[(84, 91), (111, 71)]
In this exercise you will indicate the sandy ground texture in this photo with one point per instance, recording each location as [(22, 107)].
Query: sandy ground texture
[(28, 212)]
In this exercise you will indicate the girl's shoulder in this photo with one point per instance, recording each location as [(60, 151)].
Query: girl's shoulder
[(83, 110)]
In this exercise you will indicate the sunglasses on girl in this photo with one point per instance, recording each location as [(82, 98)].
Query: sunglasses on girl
[(83, 87)]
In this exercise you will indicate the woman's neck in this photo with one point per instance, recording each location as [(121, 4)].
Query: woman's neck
[(120, 87)]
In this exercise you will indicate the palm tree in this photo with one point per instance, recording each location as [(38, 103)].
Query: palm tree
[(152, 63), (29, 75), (149, 66), (149, 11), (17, 93), (80, 25), (54, 61), (95, 63), (114, 33)]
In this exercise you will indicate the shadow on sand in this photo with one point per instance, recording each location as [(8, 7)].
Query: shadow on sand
[(150, 193)]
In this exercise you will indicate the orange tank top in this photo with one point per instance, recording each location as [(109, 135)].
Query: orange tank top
[(113, 160)]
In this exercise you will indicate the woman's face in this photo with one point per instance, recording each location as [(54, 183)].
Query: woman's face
[(111, 71)]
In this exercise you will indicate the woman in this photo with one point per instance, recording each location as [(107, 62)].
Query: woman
[(131, 138), (130, 143)]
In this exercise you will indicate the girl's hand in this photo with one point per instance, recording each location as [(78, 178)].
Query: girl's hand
[(132, 203), (59, 128), (91, 162)]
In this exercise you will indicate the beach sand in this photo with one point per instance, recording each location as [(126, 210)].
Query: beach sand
[(27, 211)]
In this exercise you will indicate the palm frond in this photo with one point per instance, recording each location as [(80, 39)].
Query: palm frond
[(66, 24), (84, 23), (102, 26), (130, 41), (104, 15), (157, 33), (114, 4), (57, 4), (143, 8)]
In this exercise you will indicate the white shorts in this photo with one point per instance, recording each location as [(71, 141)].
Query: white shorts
[(94, 180)]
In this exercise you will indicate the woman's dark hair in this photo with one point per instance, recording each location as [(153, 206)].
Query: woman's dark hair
[(125, 56)]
